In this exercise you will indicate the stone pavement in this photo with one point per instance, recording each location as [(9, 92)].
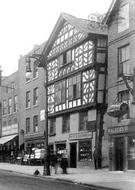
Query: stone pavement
[(104, 178)]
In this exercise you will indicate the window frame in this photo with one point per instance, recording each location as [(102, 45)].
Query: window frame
[(52, 128), (4, 109), (35, 71), (66, 123), (83, 121), (35, 96), (27, 99), (120, 55), (27, 125), (15, 103), (35, 123), (73, 85)]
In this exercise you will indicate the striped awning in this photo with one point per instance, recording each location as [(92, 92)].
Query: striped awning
[(6, 139)]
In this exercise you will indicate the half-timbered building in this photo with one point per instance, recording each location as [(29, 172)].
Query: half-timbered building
[(77, 68)]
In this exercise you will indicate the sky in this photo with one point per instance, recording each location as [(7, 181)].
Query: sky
[(25, 23)]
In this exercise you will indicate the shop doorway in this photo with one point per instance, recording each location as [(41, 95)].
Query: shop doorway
[(119, 153), (73, 152)]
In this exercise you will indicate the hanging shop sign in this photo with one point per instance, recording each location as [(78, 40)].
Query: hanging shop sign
[(118, 110)]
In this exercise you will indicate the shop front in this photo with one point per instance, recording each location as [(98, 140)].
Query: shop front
[(9, 148), (80, 149), (122, 147)]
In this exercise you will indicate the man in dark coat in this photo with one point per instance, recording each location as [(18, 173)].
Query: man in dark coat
[(64, 163), (95, 157)]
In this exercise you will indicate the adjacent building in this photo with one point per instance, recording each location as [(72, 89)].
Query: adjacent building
[(9, 117), (121, 62), (31, 102), (76, 58)]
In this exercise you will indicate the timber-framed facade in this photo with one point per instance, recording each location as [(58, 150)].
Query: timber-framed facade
[(77, 68)]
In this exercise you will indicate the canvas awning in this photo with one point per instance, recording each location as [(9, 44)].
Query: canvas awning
[(6, 139)]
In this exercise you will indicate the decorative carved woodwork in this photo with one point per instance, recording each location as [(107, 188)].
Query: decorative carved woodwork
[(66, 37), (81, 57), (66, 94), (88, 86)]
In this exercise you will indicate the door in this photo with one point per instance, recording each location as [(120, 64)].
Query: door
[(119, 153), (73, 155)]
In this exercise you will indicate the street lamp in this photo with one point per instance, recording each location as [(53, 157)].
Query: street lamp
[(40, 61)]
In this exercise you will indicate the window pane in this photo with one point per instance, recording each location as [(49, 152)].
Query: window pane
[(83, 121)]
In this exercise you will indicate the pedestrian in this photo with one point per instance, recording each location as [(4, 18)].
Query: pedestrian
[(54, 162), (95, 157), (64, 163)]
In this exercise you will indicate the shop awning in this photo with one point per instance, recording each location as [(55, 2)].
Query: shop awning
[(6, 139)]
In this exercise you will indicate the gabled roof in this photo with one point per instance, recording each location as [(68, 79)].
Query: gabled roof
[(105, 21), (83, 25)]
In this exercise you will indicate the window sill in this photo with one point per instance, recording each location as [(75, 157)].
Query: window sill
[(27, 81), (52, 134), (36, 105), (28, 108)]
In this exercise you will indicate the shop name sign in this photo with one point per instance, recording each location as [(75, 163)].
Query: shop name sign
[(82, 135), (115, 130)]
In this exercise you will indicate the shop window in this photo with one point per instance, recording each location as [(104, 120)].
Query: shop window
[(52, 123), (28, 99), (66, 124), (123, 60), (35, 96), (74, 87), (35, 123), (27, 125), (83, 118), (85, 150), (60, 148)]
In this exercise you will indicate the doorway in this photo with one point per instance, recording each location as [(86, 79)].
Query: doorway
[(73, 152), (119, 153)]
